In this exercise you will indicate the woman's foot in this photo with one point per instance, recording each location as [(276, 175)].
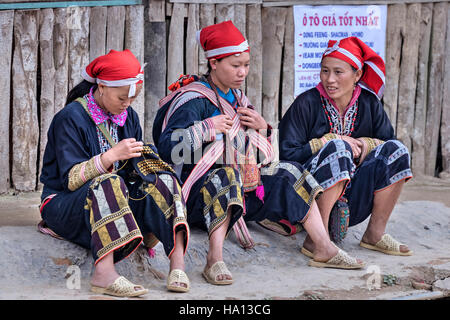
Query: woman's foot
[(177, 264), (218, 274), (121, 287), (216, 240), (308, 244), (325, 252), (178, 281), (342, 260), (372, 238), (105, 272), (106, 280), (210, 261), (103, 279)]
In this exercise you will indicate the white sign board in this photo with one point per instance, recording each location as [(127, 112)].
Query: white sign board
[(315, 25)]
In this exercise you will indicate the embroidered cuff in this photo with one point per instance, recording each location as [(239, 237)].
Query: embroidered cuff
[(317, 143), (368, 145), (200, 132), (85, 171)]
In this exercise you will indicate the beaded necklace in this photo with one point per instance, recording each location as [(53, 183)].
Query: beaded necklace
[(334, 118)]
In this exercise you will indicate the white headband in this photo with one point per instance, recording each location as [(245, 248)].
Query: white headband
[(117, 83), (230, 49)]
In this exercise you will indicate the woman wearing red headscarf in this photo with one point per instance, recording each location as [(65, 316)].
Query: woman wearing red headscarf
[(208, 128), (340, 132), (91, 194)]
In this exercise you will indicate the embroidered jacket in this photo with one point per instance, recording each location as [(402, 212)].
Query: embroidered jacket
[(73, 140), (306, 127)]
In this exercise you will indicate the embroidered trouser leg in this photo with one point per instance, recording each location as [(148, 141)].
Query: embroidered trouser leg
[(385, 165), (289, 191), (160, 211), (95, 216), (332, 164), (113, 227), (214, 197)]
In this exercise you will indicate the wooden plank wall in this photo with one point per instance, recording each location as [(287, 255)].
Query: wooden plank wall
[(51, 46)]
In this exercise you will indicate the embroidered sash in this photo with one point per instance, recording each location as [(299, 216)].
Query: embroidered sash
[(217, 148)]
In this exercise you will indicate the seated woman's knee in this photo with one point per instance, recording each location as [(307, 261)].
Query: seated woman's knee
[(391, 146), (339, 146)]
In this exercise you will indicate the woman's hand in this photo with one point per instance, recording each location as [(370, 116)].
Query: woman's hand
[(355, 144), (222, 123), (124, 150), (252, 119)]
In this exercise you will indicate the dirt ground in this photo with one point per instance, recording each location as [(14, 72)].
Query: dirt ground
[(421, 219)]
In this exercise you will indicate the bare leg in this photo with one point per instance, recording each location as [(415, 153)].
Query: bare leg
[(104, 273), (216, 241), (383, 204), (325, 203), (177, 256), (318, 236)]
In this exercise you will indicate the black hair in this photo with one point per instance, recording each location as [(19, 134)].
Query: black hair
[(79, 90), (209, 66)]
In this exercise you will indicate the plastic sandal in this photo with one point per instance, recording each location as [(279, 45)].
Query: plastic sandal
[(121, 287), (387, 245), (340, 261), (217, 269), (178, 276)]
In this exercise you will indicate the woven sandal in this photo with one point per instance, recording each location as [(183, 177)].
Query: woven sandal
[(387, 245), (178, 276), (121, 287), (217, 269), (340, 261)]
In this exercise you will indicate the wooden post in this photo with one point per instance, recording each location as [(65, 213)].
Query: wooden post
[(25, 129), (191, 42), (78, 43), (240, 15), (408, 75), (435, 86), (6, 34), (206, 18), (287, 86), (445, 125), (47, 98), (396, 17), (155, 56), (115, 28), (224, 12), (97, 32), (134, 41), (420, 113), (273, 35), (61, 57), (175, 50), (254, 37)]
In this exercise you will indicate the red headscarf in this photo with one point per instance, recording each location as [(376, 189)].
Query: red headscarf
[(115, 69), (221, 40), (359, 55)]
